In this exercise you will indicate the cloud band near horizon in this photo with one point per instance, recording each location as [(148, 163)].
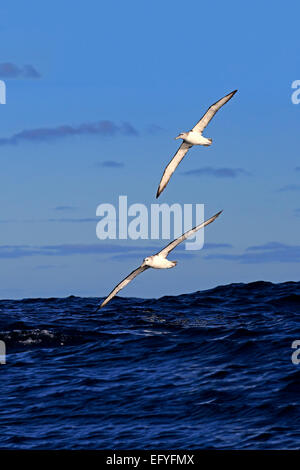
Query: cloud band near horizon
[(23, 251)]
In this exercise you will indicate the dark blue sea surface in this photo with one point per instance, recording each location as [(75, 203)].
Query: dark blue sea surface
[(209, 370)]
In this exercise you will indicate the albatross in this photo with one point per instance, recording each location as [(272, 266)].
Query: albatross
[(157, 261), (193, 137)]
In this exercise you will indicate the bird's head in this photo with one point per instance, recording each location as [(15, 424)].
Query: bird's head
[(147, 262), (181, 135)]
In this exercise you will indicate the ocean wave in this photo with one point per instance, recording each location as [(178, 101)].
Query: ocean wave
[(211, 369)]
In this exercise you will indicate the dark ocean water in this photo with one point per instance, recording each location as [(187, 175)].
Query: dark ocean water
[(206, 370)]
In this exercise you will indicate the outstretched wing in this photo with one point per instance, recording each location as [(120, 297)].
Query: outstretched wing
[(171, 167), (207, 117), (165, 251), (122, 284)]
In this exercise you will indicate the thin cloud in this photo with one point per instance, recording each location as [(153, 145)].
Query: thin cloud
[(271, 252), (64, 208), (128, 129), (51, 219), (217, 172), (72, 220), (110, 164), (289, 187), (270, 246), (23, 251), (10, 70), (154, 129), (44, 134)]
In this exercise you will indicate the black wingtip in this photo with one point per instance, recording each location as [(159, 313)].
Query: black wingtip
[(219, 213), (232, 93)]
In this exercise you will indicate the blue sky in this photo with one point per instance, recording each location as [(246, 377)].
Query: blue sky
[(151, 69)]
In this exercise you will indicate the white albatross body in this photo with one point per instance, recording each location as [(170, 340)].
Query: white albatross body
[(194, 138), (191, 138), (157, 261)]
